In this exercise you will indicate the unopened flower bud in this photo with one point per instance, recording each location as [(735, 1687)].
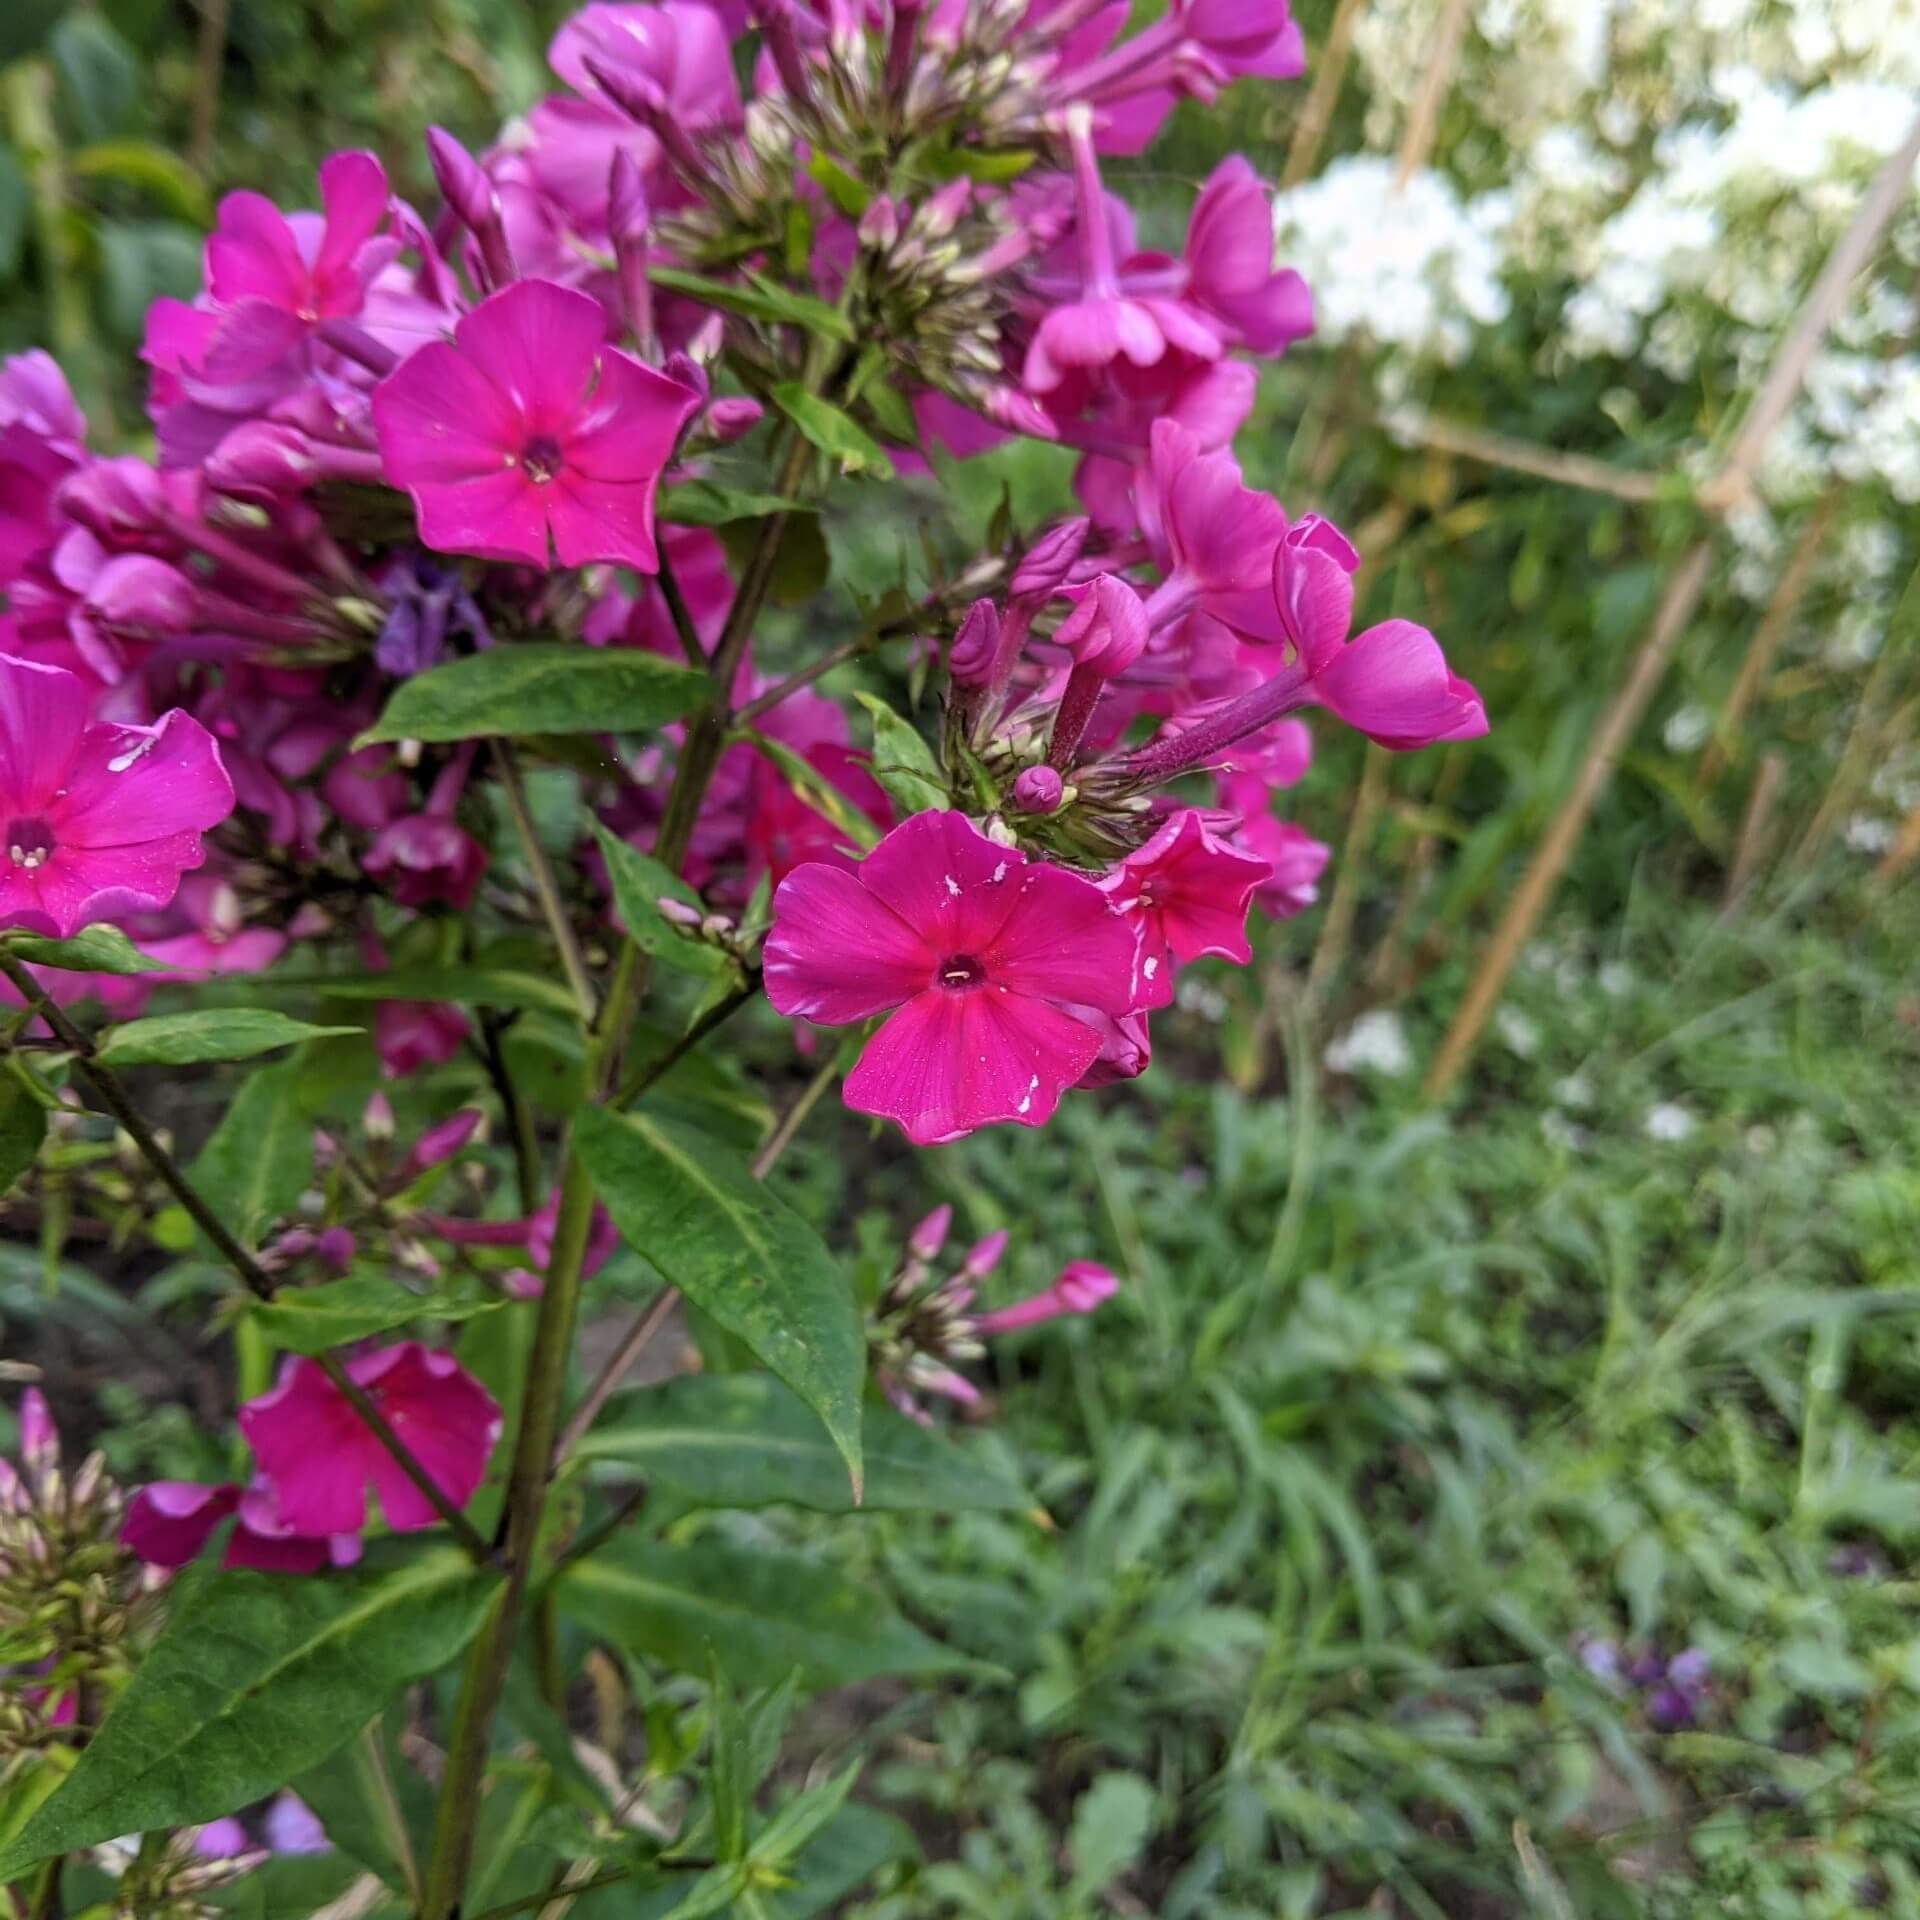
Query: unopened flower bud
[(971, 657), (475, 203), (1038, 790), (926, 1240), (984, 1255), (731, 419), (1107, 628), (1050, 559), (377, 1119), (880, 224)]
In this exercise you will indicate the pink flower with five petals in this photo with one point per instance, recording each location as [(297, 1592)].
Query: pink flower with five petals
[(528, 434), (986, 962)]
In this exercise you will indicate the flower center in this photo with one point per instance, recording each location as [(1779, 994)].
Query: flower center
[(540, 459), (960, 972), (29, 842)]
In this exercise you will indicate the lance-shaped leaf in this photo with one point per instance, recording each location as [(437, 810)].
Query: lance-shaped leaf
[(261, 1155), (760, 1612), (738, 1253), (706, 503), (640, 883), (903, 763), (540, 687), (742, 1440), (313, 1320), (23, 1126), (841, 438), (91, 950), (257, 1677), (216, 1033)]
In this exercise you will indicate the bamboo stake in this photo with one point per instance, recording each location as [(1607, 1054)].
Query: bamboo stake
[(1754, 829), (1684, 590), (1317, 115), (1578, 470), (1768, 636), (1423, 120)]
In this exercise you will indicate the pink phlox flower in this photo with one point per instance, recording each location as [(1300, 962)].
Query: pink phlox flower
[(96, 820), (1214, 536), (42, 439), (1126, 1047), (642, 620), (169, 1522), (1110, 316), (422, 858), (528, 434), (412, 1035), (321, 1458), (292, 1827), (113, 608), (1391, 682), (603, 1237), (1297, 859), (203, 934), (1186, 891), (311, 267), (1229, 257), (975, 952), (1081, 1287)]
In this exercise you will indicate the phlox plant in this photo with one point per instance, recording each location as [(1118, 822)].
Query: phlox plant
[(418, 708)]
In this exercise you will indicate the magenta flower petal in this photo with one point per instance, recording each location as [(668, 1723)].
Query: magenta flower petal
[(43, 713), (537, 343), (1392, 683), (320, 1458), (1187, 892), (1064, 941), (442, 420), (948, 1063), (837, 952), (942, 876), (169, 1521), (252, 254)]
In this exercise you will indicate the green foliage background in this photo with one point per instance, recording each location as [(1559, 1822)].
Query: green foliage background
[(1396, 1402)]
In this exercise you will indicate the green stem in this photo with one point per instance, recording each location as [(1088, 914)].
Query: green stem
[(579, 981), (526, 1142), (106, 1084)]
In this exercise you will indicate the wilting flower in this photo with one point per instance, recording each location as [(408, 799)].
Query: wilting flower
[(1186, 891), (978, 955), (96, 820), (321, 1457), (529, 434)]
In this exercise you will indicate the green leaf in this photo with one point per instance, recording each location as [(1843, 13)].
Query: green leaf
[(480, 986), (760, 1611), (838, 185), (162, 176), (92, 950), (24, 24), (219, 1033), (16, 213), (639, 881), (540, 687), (705, 503), (743, 1440), (903, 763), (260, 1158), (739, 1253), (373, 1804), (818, 792), (759, 299), (23, 1125), (257, 1677), (841, 439), (311, 1320), (99, 76), (1111, 1823)]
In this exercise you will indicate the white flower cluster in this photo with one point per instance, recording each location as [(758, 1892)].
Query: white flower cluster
[(1680, 167), (1413, 268)]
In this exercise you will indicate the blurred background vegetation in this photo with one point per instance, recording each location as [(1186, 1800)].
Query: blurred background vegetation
[(1421, 1435)]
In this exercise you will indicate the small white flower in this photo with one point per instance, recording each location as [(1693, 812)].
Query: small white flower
[(1668, 1121), (1375, 1043)]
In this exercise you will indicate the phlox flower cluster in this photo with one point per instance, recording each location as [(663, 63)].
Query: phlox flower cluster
[(393, 438)]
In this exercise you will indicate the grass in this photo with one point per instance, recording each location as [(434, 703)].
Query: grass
[(1621, 1347)]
